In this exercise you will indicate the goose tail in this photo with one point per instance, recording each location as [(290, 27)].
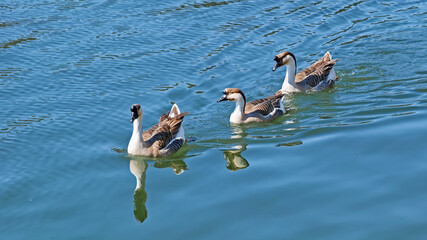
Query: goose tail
[(327, 56), (174, 111), (332, 76), (278, 107)]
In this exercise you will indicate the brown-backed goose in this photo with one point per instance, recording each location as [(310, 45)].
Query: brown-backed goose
[(316, 77), (163, 139), (261, 110)]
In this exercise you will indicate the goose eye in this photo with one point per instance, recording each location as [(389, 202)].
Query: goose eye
[(224, 92), (276, 58)]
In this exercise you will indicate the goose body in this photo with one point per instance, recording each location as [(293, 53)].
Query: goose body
[(316, 77), (260, 110), (163, 139)]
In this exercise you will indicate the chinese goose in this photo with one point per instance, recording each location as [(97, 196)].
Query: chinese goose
[(261, 110), (316, 77), (162, 140)]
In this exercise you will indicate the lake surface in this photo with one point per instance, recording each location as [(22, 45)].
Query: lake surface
[(348, 163)]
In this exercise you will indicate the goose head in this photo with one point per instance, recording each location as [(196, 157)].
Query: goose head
[(283, 58), (232, 94), (136, 112)]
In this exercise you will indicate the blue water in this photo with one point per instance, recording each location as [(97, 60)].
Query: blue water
[(347, 163)]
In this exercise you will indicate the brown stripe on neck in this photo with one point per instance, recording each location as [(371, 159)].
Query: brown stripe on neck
[(295, 60)]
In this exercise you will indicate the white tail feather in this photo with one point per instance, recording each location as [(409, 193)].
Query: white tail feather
[(281, 105), (331, 75), (328, 54), (174, 111)]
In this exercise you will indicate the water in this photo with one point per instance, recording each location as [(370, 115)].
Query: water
[(348, 163)]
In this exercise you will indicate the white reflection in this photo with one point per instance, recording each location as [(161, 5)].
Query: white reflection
[(233, 156), (138, 167)]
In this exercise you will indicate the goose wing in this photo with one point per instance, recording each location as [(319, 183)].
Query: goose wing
[(316, 72), (149, 133), (172, 147), (164, 132), (263, 106), (258, 116)]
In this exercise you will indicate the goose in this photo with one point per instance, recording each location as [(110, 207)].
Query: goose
[(316, 77), (261, 110), (163, 139)]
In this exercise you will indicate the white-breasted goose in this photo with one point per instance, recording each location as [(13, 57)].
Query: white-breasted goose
[(261, 110), (316, 77), (163, 139)]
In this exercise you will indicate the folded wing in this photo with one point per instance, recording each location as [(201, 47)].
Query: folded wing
[(316, 72), (263, 106)]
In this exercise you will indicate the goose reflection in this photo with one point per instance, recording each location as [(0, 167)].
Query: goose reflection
[(233, 156), (138, 167)]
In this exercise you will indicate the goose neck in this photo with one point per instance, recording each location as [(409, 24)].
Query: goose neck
[(137, 125), (290, 73), (239, 112)]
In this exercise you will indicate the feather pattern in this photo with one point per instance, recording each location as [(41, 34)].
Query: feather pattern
[(172, 147), (263, 106), (316, 72), (164, 132)]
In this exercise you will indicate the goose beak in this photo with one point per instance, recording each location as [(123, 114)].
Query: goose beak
[(223, 98), (276, 66), (134, 115)]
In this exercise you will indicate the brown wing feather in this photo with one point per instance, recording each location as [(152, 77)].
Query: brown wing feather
[(174, 123), (319, 74), (164, 116), (162, 133), (149, 133), (160, 138), (316, 72), (165, 132), (263, 106)]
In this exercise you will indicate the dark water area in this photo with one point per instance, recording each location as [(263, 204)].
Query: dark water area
[(347, 163)]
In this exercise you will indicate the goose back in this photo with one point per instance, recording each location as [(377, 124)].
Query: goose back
[(263, 106), (316, 72), (160, 135)]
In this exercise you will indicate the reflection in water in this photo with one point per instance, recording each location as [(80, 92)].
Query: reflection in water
[(138, 168), (178, 166), (234, 159)]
